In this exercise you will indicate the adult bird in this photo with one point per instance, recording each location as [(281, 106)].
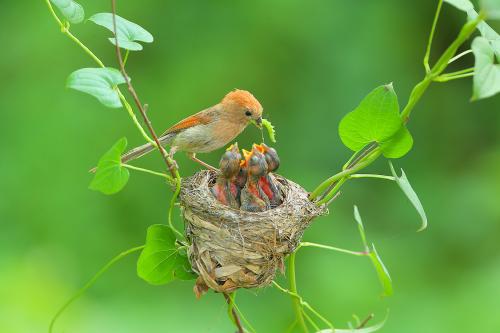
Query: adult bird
[(209, 129)]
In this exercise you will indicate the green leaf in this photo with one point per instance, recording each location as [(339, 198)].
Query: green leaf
[(492, 9), (369, 329), (405, 186), (398, 145), (487, 32), (375, 119), (110, 176), (382, 273), (98, 82), (464, 5), (486, 81), (71, 10), (270, 129), (128, 33), (161, 261)]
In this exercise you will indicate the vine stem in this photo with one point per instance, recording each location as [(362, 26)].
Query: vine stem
[(293, 289), (431, 37), (89, 284), (329, 187), (232, 312), (65, 30)]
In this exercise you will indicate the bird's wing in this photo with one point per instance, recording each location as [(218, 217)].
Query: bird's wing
[(201, 118)]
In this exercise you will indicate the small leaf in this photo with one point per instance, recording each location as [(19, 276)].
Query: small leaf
[(464, 5), (375, 119), (270, 130), (487, 32), (405, 186), (110, 177), (382, 273), (492, 9), (486, 81), (161, 261), (398, 145), (71, 10), (98, 82), (127, 32), (361, 228)]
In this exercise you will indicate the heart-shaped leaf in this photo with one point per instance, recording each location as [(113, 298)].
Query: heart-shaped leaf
[(71, 10), (486, 81), (405, 186), (487, 32), (98, 82), (128, 33), (382, 273), (398, 145), (162, 261), (377, 119), (110, 176)]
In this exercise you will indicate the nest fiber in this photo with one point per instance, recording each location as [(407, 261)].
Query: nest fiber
[(230, 248)]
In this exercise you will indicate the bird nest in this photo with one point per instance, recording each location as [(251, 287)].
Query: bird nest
[(231, 248)]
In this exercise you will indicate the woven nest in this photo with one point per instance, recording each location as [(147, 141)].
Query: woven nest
[(230, 248)]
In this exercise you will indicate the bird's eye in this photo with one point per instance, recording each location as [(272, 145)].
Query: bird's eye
[(248, 113)]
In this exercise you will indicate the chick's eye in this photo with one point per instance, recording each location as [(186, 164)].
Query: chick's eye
[(248, 113)]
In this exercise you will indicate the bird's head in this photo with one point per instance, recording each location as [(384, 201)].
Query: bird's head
[(272, 158), (235, 150), (255, 162), (243, 107)]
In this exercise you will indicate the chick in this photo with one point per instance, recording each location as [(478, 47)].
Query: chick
[(267, 182), (253, 199), (225, 189)]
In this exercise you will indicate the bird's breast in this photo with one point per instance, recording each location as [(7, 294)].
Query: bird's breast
[(207, 137)]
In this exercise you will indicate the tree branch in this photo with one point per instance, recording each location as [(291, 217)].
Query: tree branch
[(171, 165)]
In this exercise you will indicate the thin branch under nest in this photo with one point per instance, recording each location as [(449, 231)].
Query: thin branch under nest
[(231, 249)]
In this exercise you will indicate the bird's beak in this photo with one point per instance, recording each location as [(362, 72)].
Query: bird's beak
[(258, 122)]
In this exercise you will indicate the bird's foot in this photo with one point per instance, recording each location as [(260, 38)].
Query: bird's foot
[(192, 156)]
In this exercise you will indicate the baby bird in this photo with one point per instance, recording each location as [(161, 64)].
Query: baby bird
[(225, 189), (267, 182), (253, 199)]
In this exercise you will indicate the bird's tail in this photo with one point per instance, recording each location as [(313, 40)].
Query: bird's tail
[(140, 151), (137, 152)]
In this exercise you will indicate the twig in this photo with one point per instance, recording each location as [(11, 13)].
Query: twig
[(365, 321), (236, 318), (171, 165)]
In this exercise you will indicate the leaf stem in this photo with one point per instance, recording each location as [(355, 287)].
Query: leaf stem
[(364, 162), (91, 282), (369, 175), (431, 37), (132, 115), (446, 78), (459, 56), (126, 58), (293, 291), (164, 175), (327, 247)]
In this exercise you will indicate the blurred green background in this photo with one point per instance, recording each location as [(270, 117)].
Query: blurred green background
[(309, 63)]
